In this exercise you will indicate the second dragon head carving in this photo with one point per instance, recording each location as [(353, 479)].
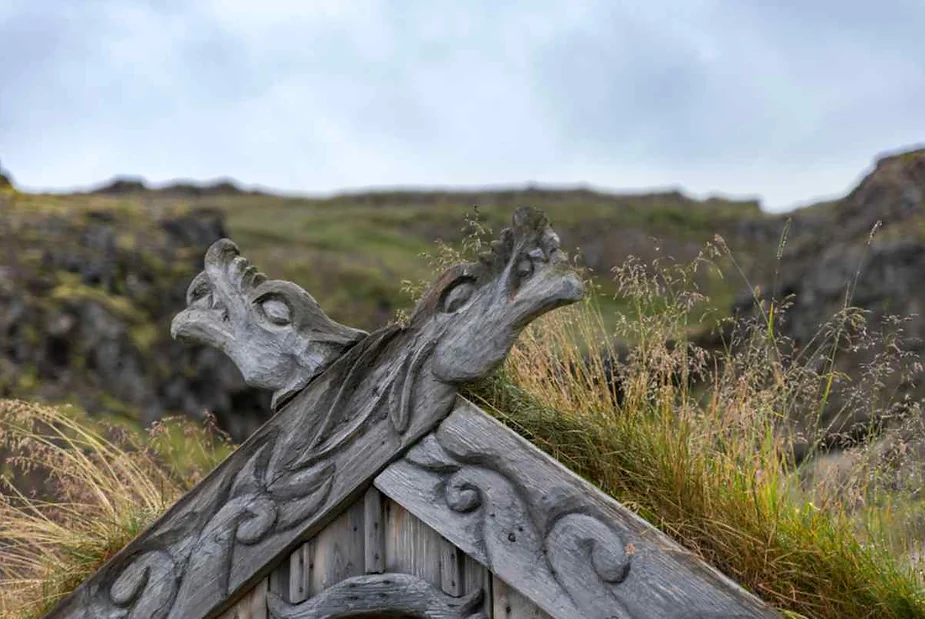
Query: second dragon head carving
[(476, 311)]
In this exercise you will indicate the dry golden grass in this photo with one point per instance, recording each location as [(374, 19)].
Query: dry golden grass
[(100, 487), (702, 448)]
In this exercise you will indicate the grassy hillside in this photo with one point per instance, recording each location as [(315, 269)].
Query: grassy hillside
[(353, 251), (699, 441)]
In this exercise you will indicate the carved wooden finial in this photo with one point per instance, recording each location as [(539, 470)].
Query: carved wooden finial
[(275, 332), (476, 311)]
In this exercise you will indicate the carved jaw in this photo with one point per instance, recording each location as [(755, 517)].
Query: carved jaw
[(480, 309), (274, 331)]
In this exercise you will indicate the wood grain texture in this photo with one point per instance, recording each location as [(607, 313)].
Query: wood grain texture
[(276, 333), (280, 579), (338, 550), (411, 547), (393, 595), (374, 532), (508, 603), (476, 576), (300, 574), (252, 605), (451, 568), (327, 442), (548, 533)]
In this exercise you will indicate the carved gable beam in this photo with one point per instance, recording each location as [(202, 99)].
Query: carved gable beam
[(555, 538), (349, 403)]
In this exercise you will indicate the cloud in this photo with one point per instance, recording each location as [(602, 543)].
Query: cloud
[(790, 100)]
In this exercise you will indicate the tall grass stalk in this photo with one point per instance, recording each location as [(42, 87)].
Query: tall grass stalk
[(701, 446), (97, 487)]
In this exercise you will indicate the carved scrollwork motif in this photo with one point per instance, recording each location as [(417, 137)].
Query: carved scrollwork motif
[(131, 587), (347, 404), (396, 595), (517, 533), (547, 533)]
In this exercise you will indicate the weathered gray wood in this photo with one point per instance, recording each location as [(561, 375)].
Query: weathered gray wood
[(279, 580), (276, 333), (318, 453), (508, 603), (395, 595), (411, 547), (252, 605), (300, 572), (338, 550), (451, 568), (258, 600), (548, 533), (374, 532), (476, 576)]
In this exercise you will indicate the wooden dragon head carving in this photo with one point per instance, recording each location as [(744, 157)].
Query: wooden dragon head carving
[(274, 331), (346, 403), (476, 311), (280, 339)]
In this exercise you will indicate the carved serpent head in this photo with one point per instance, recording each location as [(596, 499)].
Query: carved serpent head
[(274, 331), (476, 311)]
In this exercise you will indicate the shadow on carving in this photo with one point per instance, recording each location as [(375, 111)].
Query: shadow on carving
[(390, 595)]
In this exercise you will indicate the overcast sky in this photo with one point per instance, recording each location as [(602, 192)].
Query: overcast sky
[(788, 100)]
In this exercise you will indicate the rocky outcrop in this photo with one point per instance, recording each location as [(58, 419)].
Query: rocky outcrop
[(835, 252), (86, 299)]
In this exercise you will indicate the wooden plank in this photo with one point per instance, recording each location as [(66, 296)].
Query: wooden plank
[(338, 550), (252, 605), (411, 547), (258, 600), (451, 568), (549, 534), (379, 596), (279, 579), (508, 603), (300, 572), (374, 532), (476, 577)]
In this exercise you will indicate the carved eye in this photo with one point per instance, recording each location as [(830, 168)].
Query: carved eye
[(525, 268), (457, 295), (276, 311)]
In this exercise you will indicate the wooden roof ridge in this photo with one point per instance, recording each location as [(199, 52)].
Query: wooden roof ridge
[(354, 409)]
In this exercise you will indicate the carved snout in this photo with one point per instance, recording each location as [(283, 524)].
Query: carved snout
[(483, 334), (201, 326), (553, 285)]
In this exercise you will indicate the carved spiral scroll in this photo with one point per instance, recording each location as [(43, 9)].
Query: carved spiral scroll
[(399, 595), (131, 588), (515, 531)]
